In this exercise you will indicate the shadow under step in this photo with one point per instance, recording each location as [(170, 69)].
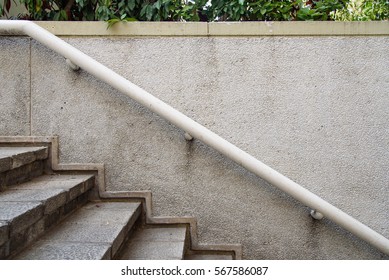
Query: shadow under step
[(96, 231), (155, 243)]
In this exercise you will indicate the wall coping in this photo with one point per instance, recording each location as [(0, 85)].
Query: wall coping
[(297, 28)]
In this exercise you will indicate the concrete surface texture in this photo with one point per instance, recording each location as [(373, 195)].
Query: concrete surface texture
[(15, 76), (160, 243), (313, 108)]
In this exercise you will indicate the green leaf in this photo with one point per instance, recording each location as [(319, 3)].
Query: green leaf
[(131, 4), (158, 4), (131, 19), (143, 11), (80, 2), (149, 12), (121, 5), (56, 16), (112, 21), (60, 15), (263, 11)]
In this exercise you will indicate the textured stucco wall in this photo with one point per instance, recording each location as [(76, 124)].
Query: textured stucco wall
[(14, 86), (313, 108)]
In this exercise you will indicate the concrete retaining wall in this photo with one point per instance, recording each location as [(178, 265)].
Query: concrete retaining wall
[(313, 107)]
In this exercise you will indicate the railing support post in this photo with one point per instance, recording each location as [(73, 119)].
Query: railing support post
[(316, 215), (72, 65), (188, 136)]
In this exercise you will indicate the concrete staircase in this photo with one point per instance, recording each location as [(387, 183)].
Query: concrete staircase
[(48, 211)]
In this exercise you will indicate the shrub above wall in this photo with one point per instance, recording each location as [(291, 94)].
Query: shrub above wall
[(198, 10)]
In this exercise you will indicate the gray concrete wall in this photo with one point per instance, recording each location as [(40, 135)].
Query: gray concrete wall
[(313, 108), (14, 86)]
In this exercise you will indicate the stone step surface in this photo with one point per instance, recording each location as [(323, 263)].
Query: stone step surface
[(28, 209), (19, 164), (156, 243), (96, 231), (13, 157)]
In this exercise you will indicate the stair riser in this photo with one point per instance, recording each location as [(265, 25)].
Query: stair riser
[(5, 164), (4, 235), (20, 164), (21, 174)]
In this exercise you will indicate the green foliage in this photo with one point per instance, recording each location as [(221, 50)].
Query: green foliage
[(319, 10), (270, 10), (232, 10), (273, 10), (114, 11), (363, 10), (5, 7)]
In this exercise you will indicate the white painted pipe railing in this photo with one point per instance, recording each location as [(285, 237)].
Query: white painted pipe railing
[(76, 58)]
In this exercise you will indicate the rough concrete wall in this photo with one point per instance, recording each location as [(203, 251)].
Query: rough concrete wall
[(14, 86), (313, 108)]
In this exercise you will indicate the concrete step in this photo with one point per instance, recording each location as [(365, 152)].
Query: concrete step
[(156, 243), (19, 164), (96, 231), (29, 209)]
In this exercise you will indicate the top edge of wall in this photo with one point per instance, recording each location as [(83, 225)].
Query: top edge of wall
[(298, 28)]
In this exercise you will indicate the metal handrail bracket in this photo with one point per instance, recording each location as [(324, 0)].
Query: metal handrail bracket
[(193, 129)]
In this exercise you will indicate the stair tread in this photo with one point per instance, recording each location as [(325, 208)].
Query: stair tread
[(56, 250), (52, 191), (13, 157), (95, 231), (74, 184), (160, 243)]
